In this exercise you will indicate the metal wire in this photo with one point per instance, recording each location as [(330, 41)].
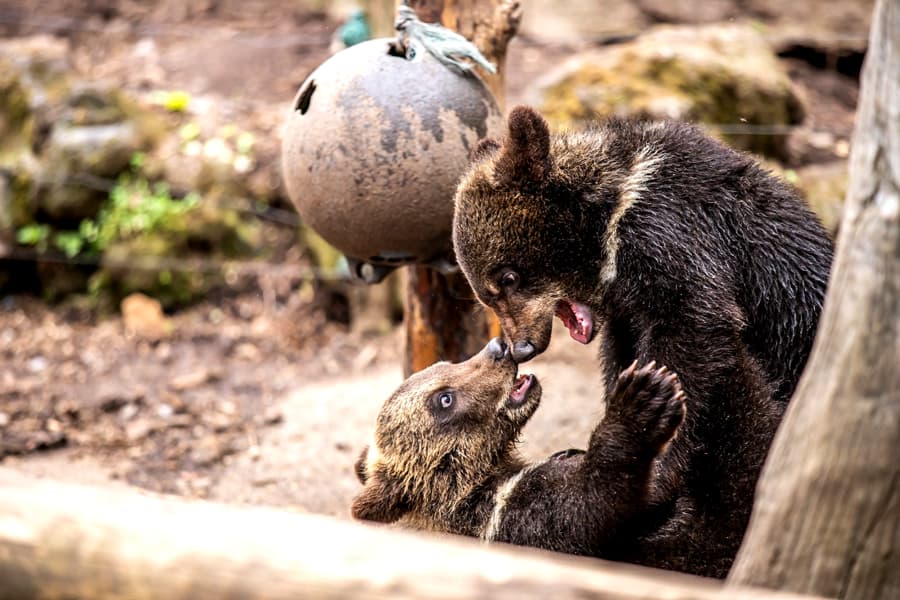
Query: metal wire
[(58, 23), (157, 264)]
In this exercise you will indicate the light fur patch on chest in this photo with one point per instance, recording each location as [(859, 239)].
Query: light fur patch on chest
[(500, 498), (642, 170)]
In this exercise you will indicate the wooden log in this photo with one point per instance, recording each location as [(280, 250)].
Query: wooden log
[(489, 24), (441, 324), (71, 541), (827, 514), (444, 321)]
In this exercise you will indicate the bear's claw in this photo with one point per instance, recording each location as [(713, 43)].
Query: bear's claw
[(649, 402)]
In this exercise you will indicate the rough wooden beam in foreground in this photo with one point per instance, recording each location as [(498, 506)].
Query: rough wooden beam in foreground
[(69, 541)]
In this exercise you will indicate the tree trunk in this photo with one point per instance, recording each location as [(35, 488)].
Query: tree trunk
[(489, 24), (443, 321), (827, 513)]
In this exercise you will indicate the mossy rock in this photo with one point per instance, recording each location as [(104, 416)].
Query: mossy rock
[(717, 75), (822, 186), (33, 80), (180, 261), (825, 189), (94, 140), (16, 119), (18, 164)]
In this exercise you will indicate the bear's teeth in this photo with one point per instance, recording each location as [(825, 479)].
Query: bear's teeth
[(520, 389)]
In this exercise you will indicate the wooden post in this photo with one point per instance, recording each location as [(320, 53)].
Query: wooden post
[(443, 321), (70, 541), (827, 513)]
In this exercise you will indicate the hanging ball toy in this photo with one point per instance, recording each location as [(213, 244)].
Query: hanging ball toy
[(374, 145)]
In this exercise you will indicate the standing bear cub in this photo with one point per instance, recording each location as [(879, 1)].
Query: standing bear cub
[(674, 248), (444, 458)]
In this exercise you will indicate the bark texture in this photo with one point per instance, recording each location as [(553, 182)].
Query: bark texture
[(489, 24), (827, 513), (62, 541), (443, 320)]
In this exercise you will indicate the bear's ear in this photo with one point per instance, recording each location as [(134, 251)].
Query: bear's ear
[(525, 156), (360, 466), (380, 501), (485, 148)]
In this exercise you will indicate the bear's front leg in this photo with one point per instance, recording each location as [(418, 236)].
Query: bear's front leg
[(582, 503), (644, 410)]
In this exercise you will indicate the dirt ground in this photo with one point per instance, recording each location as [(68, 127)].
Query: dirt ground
[(236, 405), (253, 397)]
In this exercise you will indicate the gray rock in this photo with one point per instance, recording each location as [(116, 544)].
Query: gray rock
[(79, 161)]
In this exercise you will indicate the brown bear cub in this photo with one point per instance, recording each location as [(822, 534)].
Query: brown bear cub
[(674, 248), (444, 458)]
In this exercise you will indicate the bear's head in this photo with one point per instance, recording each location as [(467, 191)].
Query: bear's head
[(442, 433), (521, 235)]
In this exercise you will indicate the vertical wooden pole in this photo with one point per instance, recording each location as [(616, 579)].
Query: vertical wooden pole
[(443, 321)]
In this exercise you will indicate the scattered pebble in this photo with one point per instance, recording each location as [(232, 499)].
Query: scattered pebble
[(128, 411), (192, 379), (271, 416), (842, 148), (37, 364), (143, 318)]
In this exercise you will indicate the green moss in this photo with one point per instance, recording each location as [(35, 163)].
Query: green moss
[(22, 185), (707, 81), (14, 100), (323, 254), (149, 239), (16, 119)]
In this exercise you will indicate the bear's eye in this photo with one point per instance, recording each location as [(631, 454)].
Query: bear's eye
[(444, 407), (509, 280), (445, 400)]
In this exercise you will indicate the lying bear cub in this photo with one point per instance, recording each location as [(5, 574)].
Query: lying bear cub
[(444, 458)]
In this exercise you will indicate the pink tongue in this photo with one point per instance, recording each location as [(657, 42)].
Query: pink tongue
[(520, 388), (583, 325)]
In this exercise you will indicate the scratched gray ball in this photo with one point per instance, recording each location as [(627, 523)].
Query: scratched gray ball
[(374, 146)]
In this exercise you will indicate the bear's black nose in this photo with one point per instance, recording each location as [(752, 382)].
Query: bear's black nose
[(522, 351), (497, 348)]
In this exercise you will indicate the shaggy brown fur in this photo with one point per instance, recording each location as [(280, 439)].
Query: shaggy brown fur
[(443, 458), (677, 249)]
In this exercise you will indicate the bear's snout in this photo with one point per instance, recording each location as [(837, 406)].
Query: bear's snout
[(497, 349), (523, 351)]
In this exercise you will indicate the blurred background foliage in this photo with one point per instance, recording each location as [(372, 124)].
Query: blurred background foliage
[(139, 140)]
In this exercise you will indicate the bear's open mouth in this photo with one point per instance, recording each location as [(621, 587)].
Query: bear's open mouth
[(519, 391), (577, 319)]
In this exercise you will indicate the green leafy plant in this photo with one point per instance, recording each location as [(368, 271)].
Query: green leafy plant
[(34, 234), (70, 242), (134, 206)]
